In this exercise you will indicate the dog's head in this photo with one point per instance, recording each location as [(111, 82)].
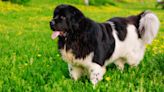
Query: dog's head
[(65, 19)]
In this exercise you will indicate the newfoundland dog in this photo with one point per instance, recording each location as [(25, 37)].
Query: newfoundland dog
[(88, 47)]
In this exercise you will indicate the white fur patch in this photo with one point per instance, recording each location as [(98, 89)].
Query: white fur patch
[(132, 48), (75, 72), (150, 23)]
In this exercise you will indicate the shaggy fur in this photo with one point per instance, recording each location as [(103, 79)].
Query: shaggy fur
[(88, 47)]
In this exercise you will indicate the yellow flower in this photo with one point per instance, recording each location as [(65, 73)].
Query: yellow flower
[(5, 7), (107, 78)]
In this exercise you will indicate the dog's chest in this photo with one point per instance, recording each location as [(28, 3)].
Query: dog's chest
[(70, 58), (67, 55)]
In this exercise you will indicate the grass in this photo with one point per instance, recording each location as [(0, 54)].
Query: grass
[(30, 61)]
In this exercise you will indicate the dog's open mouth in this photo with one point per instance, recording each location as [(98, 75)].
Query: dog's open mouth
[(55, 34)]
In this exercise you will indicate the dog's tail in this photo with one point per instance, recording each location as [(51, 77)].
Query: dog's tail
[(148, 26)]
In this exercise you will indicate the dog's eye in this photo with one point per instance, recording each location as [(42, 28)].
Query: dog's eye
[(62, 17)]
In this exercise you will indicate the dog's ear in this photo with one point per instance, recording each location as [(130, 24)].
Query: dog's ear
[(77, 14), (75, 17)]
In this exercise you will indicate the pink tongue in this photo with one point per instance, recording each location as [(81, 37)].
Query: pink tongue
[(55, 34)]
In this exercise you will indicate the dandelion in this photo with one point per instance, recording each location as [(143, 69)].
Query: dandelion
[(107, 78)]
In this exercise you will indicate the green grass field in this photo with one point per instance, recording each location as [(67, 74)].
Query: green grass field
[(30, 61)]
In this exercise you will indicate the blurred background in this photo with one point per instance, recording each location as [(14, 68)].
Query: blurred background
[(86, 2)]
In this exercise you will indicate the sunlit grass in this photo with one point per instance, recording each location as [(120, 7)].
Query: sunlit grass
[(6, 7)]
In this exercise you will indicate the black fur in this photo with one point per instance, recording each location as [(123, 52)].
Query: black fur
[(121, 23), (120, 26), (84, 36)]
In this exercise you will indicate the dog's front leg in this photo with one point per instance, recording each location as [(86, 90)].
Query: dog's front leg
[(96, 73), (75, 72)]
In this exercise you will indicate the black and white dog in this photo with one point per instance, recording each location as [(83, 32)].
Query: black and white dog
[(89, 46)]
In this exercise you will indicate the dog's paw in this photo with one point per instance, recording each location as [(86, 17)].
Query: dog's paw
[(95, 78), (96, 74)]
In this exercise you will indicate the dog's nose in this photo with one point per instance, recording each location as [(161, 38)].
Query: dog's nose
[(52, 23)]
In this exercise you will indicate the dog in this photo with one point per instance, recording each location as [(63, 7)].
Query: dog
[(88, 47)]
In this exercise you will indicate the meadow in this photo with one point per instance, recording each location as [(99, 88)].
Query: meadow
[(30, 61)]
